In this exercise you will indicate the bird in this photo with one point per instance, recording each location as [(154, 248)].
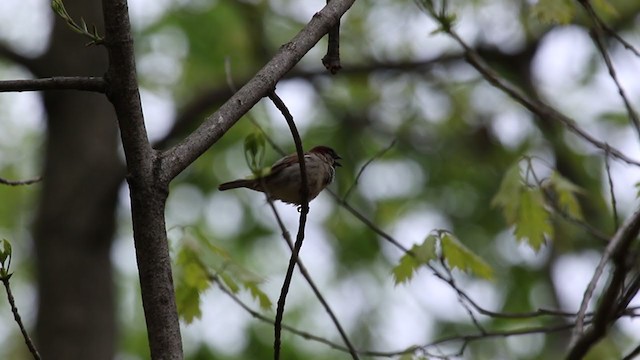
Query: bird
[(283, 182)]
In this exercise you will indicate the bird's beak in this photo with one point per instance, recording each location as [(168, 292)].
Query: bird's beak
[(335, 163)]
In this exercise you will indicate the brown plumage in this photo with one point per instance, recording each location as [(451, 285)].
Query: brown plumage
[(283, 181)]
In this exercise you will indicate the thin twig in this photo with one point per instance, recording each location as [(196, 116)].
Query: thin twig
[(627, 45), (466, 339), (20, 182), (85, 83), (289, 328), (481, 310), (388, 354), (304, 210), (605, 314), (307, 276), (599, 40), (619, 244), (374, 157), (18, 319), (629, 292), (535, 106), (614, 206), (368, 222), (461, 295), (390, 239)]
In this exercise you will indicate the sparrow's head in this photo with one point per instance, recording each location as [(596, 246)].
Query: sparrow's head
[(327, 152)]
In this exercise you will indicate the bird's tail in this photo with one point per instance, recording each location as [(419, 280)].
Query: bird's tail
[(243, 183)]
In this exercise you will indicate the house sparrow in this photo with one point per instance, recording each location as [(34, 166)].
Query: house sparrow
[(283, 181)]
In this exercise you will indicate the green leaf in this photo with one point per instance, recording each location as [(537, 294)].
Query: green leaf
[(418, 255), (403, 272), (191, 280), (188, 302), (5, 252), (258, 294), (508, 195), (554, 11), (461, 257), (566, 192), (426, 251), (58, 7), (533, 220), (254, 150), (196, 276)]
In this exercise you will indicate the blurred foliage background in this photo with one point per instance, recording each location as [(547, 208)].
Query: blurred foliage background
[(454, 136)]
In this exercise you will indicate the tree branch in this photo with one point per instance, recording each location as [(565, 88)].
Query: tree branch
[(217, 124), (84, 83), (18, 319), (148, 191), (581, 341), (304, 211)]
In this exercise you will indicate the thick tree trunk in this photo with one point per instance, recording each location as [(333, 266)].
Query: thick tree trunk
[(75, 220)]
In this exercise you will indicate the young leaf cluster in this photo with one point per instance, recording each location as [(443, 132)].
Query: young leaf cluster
[(440, 245), (5, 259), (529, 208), (198, 265), (82, 28)]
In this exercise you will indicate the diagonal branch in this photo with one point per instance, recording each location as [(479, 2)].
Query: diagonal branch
[(537, 107), (583, 340), (217, 124), (379, 154), (16, 315), (598, 22), (599, 40)]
